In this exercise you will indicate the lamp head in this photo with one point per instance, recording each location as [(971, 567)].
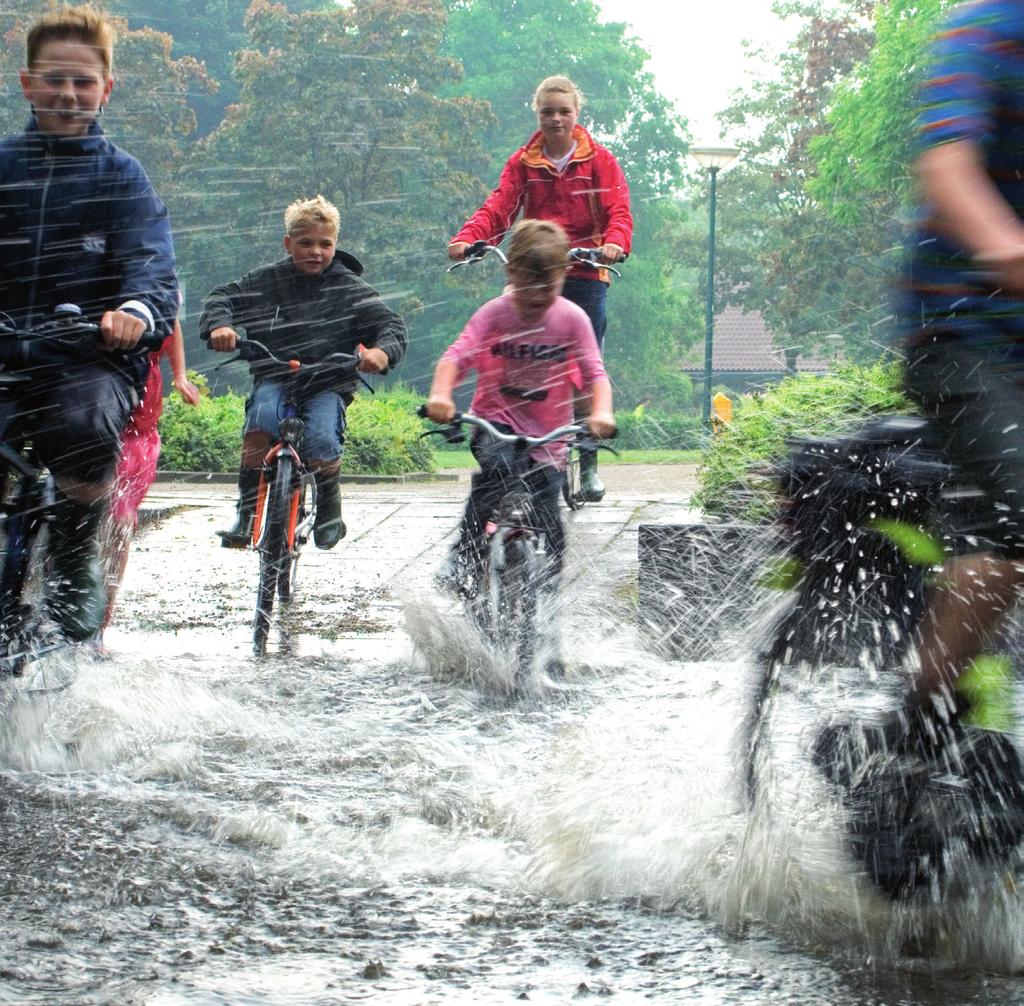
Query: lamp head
[(714, 158)]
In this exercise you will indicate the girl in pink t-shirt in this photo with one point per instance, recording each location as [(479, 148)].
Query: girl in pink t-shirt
[(529, 348)]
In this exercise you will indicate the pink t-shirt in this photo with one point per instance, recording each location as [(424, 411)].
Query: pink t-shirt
[(557, 354)]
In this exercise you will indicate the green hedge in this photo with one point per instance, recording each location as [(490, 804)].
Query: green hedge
[(382, 436), (805, 405), (647, 429), (202, 438)]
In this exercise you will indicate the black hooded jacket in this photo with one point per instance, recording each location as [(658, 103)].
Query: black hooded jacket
[(309, 317)]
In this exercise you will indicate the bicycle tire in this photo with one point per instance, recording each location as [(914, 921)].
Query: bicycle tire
[(289, 574), (572, 491), (513, 602), (273, 548), (26, 546)]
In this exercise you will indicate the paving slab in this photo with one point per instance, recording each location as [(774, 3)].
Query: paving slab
[(181, 584)]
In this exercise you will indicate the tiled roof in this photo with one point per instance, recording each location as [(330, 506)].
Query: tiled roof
[(743, 344)]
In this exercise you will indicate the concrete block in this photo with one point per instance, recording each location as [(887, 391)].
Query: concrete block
[(698, 586)]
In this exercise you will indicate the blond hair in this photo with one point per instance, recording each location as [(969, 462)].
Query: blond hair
[(83, 24), (538, 250), (315, 212), (561, 84)]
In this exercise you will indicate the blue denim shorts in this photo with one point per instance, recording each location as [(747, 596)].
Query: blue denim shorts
[(323, 413)]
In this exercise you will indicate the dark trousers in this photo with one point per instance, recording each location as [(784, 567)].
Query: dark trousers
[(77, 417), (499, 468), (591, 295)]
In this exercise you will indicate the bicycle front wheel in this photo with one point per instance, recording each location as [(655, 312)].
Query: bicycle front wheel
[(572, 492), (272, 547), (513, 602), (304, 518)]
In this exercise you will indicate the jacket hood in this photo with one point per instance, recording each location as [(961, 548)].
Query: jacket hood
[(533, 153)]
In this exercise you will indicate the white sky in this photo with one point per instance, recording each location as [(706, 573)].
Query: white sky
[(696, 49)]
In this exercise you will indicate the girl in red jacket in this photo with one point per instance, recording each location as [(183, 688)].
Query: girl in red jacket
[(562, 174)]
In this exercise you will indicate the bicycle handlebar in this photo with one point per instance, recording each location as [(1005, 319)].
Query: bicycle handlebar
[(256, 352), (590, 257), (580, 434), (476, 252), (65, 336)]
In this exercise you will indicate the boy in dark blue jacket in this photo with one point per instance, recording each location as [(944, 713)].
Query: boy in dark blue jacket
[(308, 305), (80, 224)]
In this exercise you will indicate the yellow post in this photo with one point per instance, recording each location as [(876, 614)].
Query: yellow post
[(721, 412)]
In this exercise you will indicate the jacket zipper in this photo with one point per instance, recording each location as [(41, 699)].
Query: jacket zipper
[(33, 289)]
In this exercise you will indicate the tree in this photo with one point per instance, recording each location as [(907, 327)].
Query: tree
[(344, 103), (207, 31), (498, 42), (783, 254), (862, 161)]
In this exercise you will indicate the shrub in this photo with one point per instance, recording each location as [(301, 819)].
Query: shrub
[(646, 429), (382, 436), (804, 405), (201, 438)]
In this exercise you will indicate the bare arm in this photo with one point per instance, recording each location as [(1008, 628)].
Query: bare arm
[(972, 211), (175, 348), (440, 404), (601, 421)]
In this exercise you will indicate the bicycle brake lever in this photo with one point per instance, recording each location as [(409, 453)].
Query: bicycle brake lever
[(593, 444), (233, 359), (452, 434), (365, 383)]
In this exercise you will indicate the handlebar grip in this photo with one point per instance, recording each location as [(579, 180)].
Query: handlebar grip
[(150, 341), (476, 248)]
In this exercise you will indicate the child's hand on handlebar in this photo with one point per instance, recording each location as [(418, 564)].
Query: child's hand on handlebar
[(372, 361), (440, 408), (457, 250), (601, 425), (610, 254), (223, 339), (120, 330)]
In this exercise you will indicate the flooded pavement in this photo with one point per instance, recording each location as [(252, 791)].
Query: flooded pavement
[(363, 815)]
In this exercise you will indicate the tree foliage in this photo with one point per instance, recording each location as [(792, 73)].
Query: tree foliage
[(345, 103), (862, 161), (498, 42), (783, 254)]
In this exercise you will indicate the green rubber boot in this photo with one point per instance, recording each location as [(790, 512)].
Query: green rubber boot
[(329, 528), (591, 486), (76, 597), (240, 534)]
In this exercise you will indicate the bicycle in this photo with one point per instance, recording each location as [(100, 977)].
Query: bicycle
[(572, 491), (286, 498), (28, 509), (501, 592), (869, 516)]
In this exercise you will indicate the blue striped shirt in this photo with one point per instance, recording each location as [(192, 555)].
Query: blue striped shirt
[(973, 90)]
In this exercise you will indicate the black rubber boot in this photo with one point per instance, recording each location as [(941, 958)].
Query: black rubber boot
[(240, 535), (591, 486), (329, 528), (76, 597)]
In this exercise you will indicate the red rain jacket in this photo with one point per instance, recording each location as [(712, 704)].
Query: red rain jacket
[(589, 199)]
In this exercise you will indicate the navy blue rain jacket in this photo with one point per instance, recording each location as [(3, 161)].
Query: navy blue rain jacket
[(80, 223)]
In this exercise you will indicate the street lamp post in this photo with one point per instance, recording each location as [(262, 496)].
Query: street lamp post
[(713, 159)]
